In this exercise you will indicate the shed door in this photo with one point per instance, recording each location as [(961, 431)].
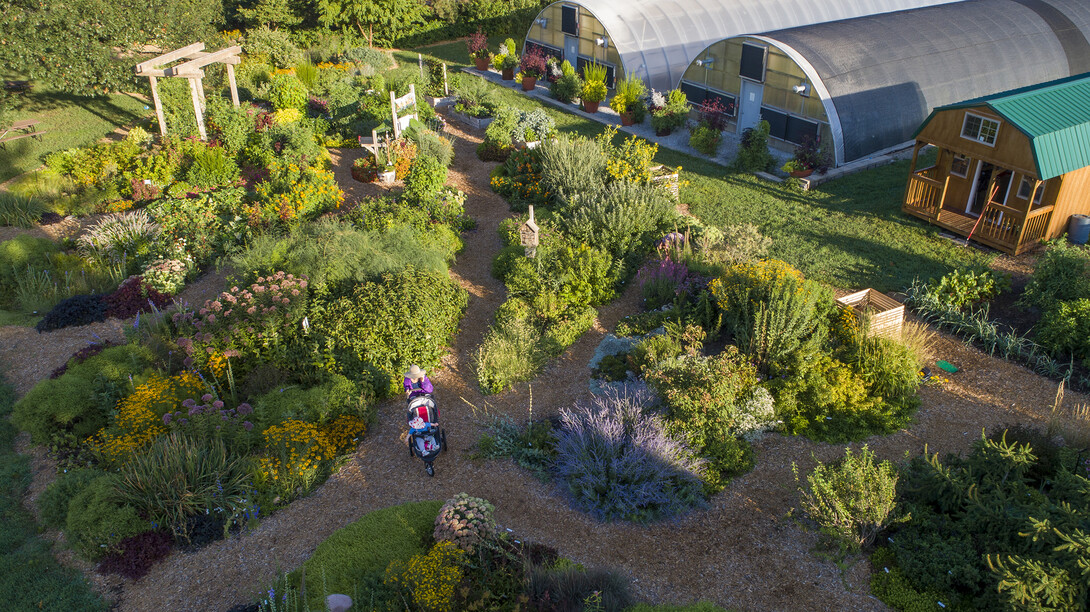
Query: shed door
[(749, 104), (571, 50)]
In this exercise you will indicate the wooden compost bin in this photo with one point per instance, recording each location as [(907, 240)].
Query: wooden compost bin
[(883, 313)]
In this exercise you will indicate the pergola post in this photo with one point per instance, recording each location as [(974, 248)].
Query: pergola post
[(231, 81), (197, 110), (158, 108)]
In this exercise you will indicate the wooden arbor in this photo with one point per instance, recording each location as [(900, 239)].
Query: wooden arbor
[(192, 71)]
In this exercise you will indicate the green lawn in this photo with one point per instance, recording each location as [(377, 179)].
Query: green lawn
[(849, 233), (68, 120)]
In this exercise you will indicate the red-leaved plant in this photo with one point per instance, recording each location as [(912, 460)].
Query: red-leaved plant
[(532, 63), (478, 45)]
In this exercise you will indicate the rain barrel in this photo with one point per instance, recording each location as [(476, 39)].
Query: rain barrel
[(1078, 229)]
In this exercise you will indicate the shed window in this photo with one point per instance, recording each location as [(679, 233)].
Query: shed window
[(980, 129), (1026, 188), (960, 165), (753, 62), (569, 20), (788, 128)]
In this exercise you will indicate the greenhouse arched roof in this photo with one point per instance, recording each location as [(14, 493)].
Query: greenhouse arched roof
[(884, 73), (657, 39)]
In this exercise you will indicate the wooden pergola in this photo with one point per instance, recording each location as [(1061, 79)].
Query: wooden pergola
[(191, 70)]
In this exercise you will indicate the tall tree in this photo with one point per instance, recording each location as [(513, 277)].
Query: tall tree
[(271, 13), (381, 21), (90, 46)]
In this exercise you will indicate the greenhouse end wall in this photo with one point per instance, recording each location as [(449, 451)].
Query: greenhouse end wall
[(588, 31)]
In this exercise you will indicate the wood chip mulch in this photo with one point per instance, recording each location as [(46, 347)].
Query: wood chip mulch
[(742, 551)]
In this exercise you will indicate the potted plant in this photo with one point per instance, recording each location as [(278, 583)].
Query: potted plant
[(668, 112), (809, 156), (532, 68), (506, 60), (478, 50), (568, 86), (628, 100), (594, 86), (706, 135), (366, 168)]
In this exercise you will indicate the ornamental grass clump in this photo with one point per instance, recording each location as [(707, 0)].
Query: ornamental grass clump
[(466, 521), (852, 499), (128, 238), (617, 461), (179, 477)]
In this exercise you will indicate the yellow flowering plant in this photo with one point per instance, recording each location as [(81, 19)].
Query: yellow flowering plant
[(139, 418), (293, 193), (430, 581), (295, 458)]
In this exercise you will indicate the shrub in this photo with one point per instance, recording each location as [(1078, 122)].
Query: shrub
[(1062, 273), (426, 178), (1064, 329), (586, 276), (384, 325), (705, 139), (332, 253), (593, 91), (430, 581), (532, 64), (628, 98), (293, 194), (80, 400), (568, 87), (165, 276), (753, 154), (963, 288), (623, 220), (320, 404), (571, 166), (511, 352), (853, 499), (619, 463), (211, 167), (532, 447), (706, 399), (133, 297), (19, 210), (476, 98), (466, 522), (54, 501), (98, 520), (736, 244), (76, 310), (136, 554), (177, 478), (432, 145), (274, 46), (368, 56)]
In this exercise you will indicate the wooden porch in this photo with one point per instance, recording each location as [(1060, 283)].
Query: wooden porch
[(1008, 229)]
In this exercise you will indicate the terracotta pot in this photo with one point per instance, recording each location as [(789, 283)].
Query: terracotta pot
[(508, 74), (590, 107), (802, 173), (482, 63), (628, 119), (528, 83)]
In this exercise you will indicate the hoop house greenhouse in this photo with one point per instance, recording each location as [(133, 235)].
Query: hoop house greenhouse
[(864, 85), (657, 39)]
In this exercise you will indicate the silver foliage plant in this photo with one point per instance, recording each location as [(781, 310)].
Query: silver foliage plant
[(617, 461)]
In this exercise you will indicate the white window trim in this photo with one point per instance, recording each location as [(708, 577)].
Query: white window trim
[(968, 166), (982, 120)]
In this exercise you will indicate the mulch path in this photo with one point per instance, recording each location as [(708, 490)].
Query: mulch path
[(743, 550)]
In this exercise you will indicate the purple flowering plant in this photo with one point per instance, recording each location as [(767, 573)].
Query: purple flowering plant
[(212, 419), (665, 280), (254, 323)]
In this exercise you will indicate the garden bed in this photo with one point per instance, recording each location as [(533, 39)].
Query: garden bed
[(478, 123)]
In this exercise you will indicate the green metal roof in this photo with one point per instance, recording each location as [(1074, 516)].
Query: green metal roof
[(1055, 116)]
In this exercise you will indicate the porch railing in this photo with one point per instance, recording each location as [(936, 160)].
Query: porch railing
[(1035, 227), (924, 194), (1013, 228)]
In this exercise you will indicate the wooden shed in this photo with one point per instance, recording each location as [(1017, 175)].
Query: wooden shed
[(1011, 167)]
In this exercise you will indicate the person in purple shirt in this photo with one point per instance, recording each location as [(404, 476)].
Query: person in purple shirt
[(416, 382)]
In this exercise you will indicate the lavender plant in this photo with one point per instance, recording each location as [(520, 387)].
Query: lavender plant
[(617, 461)]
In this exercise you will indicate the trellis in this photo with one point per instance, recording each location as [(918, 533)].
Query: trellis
[(191, 70)]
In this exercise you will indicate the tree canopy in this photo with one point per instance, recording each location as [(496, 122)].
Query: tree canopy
[(89, 46), (381, 21)]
